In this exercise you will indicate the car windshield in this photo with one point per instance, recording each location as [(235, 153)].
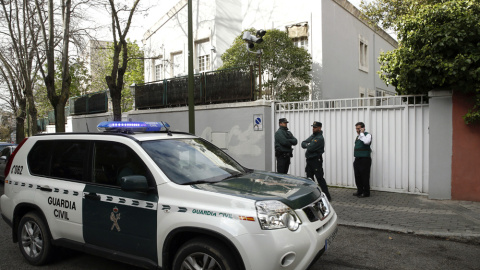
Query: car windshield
[(192, 161)]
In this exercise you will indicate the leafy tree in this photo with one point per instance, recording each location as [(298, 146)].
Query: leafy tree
[(288, 67), (134, 73), (18, 68), (439, 49), (58, 99), (80, 84), (388, 14)]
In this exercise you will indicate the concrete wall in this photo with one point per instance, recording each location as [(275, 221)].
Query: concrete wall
[(229, 126), (440, 144), (466, 154)]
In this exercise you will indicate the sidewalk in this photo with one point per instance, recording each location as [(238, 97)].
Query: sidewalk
[(407, 213)]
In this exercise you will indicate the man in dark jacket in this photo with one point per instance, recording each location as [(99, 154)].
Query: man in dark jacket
[(315, 145), (284, 141)]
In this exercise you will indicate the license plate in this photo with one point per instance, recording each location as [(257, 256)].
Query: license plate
[(330, 239)]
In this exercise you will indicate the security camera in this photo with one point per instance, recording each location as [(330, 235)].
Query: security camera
[(247, 37), (250, 40), (261, 33)]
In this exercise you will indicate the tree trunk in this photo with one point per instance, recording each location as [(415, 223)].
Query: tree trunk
[(20, 129), (32, 111), (116, 103), (60, 117), (20, 118)]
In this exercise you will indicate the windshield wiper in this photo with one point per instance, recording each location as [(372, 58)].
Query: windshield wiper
[(233, 175), (198, 182)]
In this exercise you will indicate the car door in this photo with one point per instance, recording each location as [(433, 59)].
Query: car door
[(115, 219), (59, 169)]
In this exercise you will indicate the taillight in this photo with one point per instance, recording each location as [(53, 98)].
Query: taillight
[(10, 160)]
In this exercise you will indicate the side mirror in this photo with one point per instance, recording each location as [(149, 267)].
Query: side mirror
[(134, 183)]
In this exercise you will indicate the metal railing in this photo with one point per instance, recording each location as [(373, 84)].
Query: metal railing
[(90, 103), (353, 103), (219, 86)]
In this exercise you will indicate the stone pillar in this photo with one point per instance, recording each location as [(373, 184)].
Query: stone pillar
[(440, 132)]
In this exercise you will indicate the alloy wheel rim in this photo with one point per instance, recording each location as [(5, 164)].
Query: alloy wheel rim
[(32, 239), (200, 261)]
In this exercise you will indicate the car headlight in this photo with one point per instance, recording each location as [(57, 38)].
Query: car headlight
[(276, 215)]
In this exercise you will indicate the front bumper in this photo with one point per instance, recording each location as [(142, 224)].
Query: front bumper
[(8, 221), (287, 250)]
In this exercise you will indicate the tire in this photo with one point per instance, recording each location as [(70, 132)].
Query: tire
[(203, 253), (34, 239)]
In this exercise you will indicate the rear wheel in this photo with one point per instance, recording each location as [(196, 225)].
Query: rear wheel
[(34, 239), (203, 253)]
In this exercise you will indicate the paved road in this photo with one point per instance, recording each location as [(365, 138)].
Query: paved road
[(354, 248)]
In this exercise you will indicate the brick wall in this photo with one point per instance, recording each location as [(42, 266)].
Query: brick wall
[(465, 152)]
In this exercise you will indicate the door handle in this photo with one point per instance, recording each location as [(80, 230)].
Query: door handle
[(45, 188), (92, 196)]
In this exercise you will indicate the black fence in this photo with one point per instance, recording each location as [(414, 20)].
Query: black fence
[(210, 87), (90, 103)]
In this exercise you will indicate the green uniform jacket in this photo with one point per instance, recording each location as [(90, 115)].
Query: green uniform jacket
[(315, 145), (284, 140)]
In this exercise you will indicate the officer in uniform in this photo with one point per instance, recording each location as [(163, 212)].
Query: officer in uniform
[(315, 145), (363, 161), (284, 141)]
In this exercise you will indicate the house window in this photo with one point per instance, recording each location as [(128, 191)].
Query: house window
[(177, 64), (203, 55), (204, 63), (158, 71), (363, 54), (301, 42)]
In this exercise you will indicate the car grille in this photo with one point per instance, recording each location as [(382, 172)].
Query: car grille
[(318, 210)]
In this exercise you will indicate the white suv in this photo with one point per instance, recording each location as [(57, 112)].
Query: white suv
[(160, 199)]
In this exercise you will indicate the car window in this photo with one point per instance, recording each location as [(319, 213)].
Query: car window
[(191, 160), (5, 152), (113, 160), (66, 159)]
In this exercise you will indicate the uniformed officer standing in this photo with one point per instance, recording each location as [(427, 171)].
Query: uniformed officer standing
[(315, 145), (284, 141)]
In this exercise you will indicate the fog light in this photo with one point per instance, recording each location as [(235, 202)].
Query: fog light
[(287, 259)]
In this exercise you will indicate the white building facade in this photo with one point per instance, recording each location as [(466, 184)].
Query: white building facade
[(344, 47)]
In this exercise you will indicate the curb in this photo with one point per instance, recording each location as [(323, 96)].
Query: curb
[(458, 237)]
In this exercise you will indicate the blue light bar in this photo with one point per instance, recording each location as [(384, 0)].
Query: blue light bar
[(118, 126)]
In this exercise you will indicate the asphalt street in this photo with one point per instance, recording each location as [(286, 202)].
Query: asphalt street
[(356, 246)]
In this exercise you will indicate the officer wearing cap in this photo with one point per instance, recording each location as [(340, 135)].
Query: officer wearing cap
[(284, 140), (315, 145)]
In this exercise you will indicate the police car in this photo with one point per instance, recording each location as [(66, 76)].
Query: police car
[(141, 194)]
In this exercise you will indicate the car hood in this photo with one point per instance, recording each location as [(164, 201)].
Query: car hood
[(295, 192)]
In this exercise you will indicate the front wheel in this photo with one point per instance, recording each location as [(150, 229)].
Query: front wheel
[(203, 253), (34, 239)]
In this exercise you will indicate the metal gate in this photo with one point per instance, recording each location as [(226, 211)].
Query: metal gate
[(399, 127)]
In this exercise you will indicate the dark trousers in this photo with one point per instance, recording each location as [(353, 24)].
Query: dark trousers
[(361, 168), (315, 168), (283, 162)]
